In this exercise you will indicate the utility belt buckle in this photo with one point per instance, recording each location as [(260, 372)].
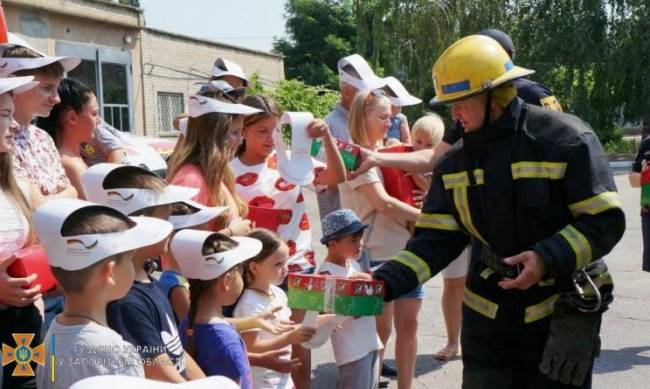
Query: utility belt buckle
[(581, 279), (495, 262)]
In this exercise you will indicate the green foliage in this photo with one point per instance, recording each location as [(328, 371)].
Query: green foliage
[(295, 95), (621, 146), (319, 33)]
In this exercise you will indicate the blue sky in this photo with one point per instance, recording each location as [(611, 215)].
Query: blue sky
[(247, 23)]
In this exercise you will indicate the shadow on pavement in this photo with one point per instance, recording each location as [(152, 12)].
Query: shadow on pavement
[(621, 360), (325, 376)]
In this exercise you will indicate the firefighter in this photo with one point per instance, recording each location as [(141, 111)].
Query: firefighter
[(534, 188)]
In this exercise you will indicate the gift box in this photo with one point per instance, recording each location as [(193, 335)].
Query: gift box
[(33, 259), (349, 153), (343, 296), (396, 182), (268, 218), (645, 188)]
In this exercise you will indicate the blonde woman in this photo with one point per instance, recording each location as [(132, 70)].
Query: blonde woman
[(387, 218)]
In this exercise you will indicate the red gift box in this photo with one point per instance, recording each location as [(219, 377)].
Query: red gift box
[(396, 182), (33, 259), (269, 218)]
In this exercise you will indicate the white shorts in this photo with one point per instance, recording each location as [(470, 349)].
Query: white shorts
[(458, 267)]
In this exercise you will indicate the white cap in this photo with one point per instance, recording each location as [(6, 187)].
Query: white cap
[(187, 247), (297, 166), (202, 215), (80, 251), (201, 105), (368, 78), (224, 67), (128, 382), (398, 95), (17, 84), (9, 66), (129, 200)]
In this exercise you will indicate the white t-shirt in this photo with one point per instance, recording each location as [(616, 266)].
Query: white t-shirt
[(261, 185), (359, 336), (387, 234), (252, 303), (85, 350)]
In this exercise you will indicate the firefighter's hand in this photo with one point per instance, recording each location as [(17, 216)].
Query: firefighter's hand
[(529, 276)]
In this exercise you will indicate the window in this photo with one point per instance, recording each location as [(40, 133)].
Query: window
[(108, 72), (170, 105)]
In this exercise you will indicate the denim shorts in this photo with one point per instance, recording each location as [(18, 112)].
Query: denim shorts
[(417, 293)]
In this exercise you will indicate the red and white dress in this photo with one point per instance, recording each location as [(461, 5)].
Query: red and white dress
[(262, 186)]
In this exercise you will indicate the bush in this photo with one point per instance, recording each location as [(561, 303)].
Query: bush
[(621, 146)]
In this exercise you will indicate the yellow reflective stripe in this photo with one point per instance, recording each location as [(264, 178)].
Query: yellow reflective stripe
[(579, 244), (549, 282), (479, 304), (541, 310), (595, 205), (479, 176), (462, 205), (486, 273), (415, 263), (455, 180), (439, 221), (528, 169)]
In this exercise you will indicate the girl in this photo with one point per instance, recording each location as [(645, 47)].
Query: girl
[(200, 160), (208, 337), (261, 275), (71, 123), (387, 219), (18, 312), (259, 182)]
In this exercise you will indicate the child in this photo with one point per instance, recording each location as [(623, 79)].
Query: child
[(261, 275), (90, 249), (399, 97), (427, 133), (71, 123), (211, 261), (144, 317), (35, 154), (356, 345), (187, 214)]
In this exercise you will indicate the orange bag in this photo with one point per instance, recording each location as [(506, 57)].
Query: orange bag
[(396, 182)]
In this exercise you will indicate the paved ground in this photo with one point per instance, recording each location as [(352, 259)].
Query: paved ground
[(625, 357)]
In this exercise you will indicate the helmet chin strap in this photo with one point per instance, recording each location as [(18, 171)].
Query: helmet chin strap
[(488, 109)]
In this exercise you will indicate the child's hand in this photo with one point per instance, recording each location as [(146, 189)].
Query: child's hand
[(361, 276), (274, 361), (418, 198), (317, 129), (301, 334)]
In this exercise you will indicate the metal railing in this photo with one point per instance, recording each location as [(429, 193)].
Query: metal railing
[(117, 115)]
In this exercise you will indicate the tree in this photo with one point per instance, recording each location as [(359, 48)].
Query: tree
[(319, 32)]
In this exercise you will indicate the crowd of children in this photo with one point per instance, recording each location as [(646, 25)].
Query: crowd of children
[(219, 306)]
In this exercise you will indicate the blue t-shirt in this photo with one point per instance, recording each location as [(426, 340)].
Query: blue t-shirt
[(394, 131), (145, 319), (220, 350)]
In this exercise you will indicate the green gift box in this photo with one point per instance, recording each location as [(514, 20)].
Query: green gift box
[(349, 153), (343, 296), (645, 188)]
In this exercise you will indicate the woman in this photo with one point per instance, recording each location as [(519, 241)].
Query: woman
[(387, 230), (200, 159), (18, 313), (259, 182), (71, 124)]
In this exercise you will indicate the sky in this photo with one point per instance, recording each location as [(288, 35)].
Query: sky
[(247, 23)]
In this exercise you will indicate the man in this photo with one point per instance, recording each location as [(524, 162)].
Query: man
[(354, 75), (534, 188)]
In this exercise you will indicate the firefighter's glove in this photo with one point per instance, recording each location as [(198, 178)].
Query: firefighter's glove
[(573, 343)]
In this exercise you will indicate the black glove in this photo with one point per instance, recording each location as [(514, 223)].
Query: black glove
[(573, 343)]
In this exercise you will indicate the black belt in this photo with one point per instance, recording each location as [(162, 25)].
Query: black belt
[(495, 262)]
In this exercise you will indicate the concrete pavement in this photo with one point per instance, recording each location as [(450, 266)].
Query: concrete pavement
[(625, 356)]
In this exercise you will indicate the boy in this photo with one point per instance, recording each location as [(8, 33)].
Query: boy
[(35, 155), (144, 317), (90, 249), (356, 345)]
